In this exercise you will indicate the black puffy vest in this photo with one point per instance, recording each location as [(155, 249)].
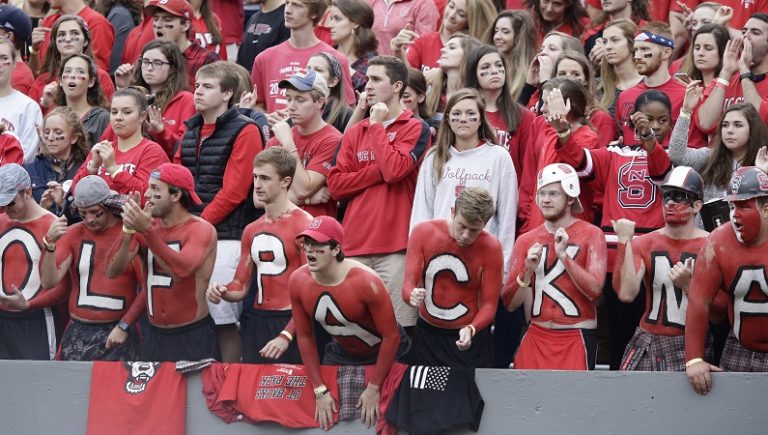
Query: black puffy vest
[(208, 170)]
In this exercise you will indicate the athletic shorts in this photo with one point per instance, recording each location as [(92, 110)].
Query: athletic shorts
[(737, 358), (335, 355), (85, 342), (433, 346), (191, 342), (227, 258), (557, 349), (651, 352), (27, 335), (262, 326)]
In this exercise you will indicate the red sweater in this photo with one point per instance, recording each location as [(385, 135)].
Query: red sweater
[(376, 169), (22, 78), (137, 163), (10, 150), (137, 39), (239, 167), (102, 35)]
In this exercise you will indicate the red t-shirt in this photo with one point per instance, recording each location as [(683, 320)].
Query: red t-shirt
[(625, 106), (316, 152), (280, 393), (543, 153), (204, 37), (605, 126), (559, 296), (282, 61), (138, 37), (22, 77), (725, 263), (665, 304), (357, 313), (626, 177), (20, 249), (233, 19), (734, 94), (137, 397), (462, 283), (376, 169), (94, 297), (10, 149), (424, 53), (515, 142), (187, 252), (102, 35), (136, 164), (269, 254)]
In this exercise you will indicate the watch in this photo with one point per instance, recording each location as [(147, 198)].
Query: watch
[(123, 325), (747, 75), (320, 392), (648, 136)]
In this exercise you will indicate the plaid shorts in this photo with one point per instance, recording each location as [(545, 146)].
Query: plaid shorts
[(85, 342), (737, 358), (352, 383), (651, 352)]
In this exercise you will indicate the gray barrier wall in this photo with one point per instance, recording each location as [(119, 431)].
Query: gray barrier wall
[(52, 398)]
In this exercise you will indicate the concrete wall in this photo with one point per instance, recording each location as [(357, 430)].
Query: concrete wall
[(52, 398)]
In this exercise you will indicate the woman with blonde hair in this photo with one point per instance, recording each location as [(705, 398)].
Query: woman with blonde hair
[(617, 70), (449, 79), (465, 154), (472, 17), (513, 33), (542, 67)]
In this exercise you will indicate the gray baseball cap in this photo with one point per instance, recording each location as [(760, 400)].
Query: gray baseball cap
[(13, 179), (93, 190)]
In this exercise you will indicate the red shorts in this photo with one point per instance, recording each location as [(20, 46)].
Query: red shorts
[(557, 349)]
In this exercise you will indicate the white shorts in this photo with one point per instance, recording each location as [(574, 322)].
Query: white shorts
[(227, 257)]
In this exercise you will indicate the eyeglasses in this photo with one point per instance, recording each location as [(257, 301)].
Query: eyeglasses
[(155, 63), (675, 195)]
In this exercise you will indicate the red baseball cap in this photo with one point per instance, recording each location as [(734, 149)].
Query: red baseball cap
[(323, 229), (179, 176), (179, 8)]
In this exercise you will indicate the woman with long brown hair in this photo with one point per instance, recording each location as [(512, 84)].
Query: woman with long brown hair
[(350, 23), (513, 33), (617, 70)]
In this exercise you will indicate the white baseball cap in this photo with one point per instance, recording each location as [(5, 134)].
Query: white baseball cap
[(568, 179)]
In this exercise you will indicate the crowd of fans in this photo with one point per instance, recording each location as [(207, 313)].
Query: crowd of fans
[(544, 183)]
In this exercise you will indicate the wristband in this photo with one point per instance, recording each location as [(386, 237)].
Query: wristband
[(647, 137), (287, 335), (747, 75), (128, 230), (521, 283), (472, 329), (684, 114), (564, 134), (50, 247), (723, 82), (693, 361)]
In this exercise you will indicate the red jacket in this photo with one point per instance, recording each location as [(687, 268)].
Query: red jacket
[(137, 39), (10, 150), (376, 169)]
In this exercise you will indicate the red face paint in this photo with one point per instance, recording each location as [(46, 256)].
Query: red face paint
[(746, 221), (677, 213)]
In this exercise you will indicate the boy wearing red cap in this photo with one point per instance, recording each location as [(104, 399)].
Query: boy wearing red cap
[(102, 34), (312, 140), (269, 254), (180, 249), (561, 265), (172, 22), (353, 306)]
